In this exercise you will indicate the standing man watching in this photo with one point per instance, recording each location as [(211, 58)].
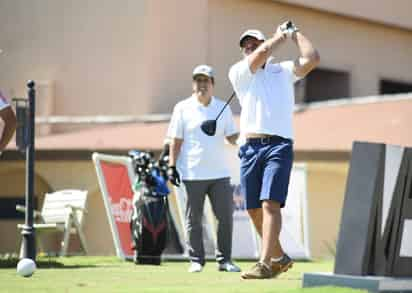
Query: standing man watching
[(200, 161), (266, 93), (8, 123)]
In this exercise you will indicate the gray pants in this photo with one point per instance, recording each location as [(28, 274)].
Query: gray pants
[(221, 199)]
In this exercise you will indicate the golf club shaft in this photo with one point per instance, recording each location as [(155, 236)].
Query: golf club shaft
[(227, 103)]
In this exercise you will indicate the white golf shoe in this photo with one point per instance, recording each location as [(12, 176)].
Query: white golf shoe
[(228, 267), (195, 267)]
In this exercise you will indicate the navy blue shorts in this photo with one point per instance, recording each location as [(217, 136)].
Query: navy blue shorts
[(265, 171)]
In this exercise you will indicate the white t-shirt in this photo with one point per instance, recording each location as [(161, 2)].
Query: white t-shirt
[(267, 97), (201, 156)]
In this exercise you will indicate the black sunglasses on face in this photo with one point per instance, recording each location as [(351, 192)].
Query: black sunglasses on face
[(199, 79), (249, 47)]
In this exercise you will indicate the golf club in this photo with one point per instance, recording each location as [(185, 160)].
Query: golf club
[(209, 126)]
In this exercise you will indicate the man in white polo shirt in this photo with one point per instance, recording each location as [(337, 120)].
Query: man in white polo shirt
[(266, 93), (198, 160), (7, 122)]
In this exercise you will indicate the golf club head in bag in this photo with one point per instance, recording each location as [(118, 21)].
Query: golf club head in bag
[(149, 223), (209, 126)]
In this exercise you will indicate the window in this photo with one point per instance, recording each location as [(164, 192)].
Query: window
[(322, 85), (387, 86)]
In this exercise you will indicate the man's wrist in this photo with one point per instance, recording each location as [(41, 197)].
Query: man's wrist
[(279, 36), (294, 36)]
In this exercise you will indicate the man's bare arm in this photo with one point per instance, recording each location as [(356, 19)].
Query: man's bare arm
[(258, 58), (309, 57), (175, 146), (10, 121)]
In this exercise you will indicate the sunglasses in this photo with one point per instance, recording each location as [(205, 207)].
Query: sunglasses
[(249, 47), (201, 79)]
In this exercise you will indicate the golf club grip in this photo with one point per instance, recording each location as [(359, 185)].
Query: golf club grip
[(227, 103)]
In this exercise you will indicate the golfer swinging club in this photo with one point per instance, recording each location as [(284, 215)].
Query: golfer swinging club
[(266, 93)]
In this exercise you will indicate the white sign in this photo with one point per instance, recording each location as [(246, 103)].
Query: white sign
[(406, 242)]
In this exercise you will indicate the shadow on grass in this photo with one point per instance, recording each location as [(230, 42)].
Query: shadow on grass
[(43, 263)]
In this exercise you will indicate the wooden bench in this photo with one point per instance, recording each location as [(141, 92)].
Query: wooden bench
[(62, 211)]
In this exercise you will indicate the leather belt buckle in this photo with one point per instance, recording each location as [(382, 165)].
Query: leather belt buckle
[(265, 140)]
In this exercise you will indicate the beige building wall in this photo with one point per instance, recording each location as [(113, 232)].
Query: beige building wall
[(133, 57), (177, 33), (92, 51), (379, 11)]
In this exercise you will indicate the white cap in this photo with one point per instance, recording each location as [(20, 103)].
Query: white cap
[(258, 35), (203, 70)]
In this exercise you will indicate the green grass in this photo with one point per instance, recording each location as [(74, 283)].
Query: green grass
[(108, 274)]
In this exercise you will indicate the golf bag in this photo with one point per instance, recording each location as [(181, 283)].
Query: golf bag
[(150, 218)]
